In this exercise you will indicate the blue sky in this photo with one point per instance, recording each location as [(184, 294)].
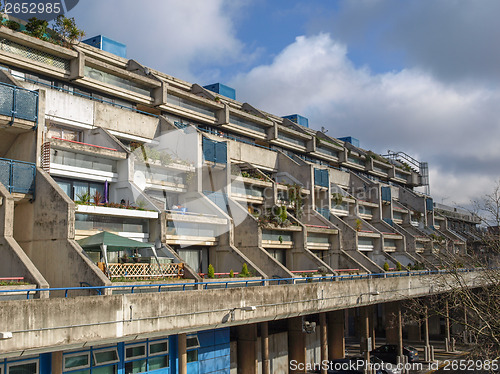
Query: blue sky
[(421, 76)]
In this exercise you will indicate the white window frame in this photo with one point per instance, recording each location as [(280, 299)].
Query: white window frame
[(36, 361), (128, 359), (159, 353), (96, 364), (87, 353), (197, 345)]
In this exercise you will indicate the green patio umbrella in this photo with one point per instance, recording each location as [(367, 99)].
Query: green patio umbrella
[(113, 242), (106, 241)]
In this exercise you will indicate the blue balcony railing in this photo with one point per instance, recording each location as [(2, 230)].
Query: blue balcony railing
[(18, 176), (18, 102)]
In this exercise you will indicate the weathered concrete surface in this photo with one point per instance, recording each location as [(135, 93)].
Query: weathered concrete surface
[(15, 263), (79, 321), (45, 229)]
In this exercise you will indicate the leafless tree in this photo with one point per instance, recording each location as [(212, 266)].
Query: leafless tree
[(474, 310)]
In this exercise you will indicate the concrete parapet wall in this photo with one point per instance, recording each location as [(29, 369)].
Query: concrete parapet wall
[(49, 239), (83, 321), (15, 263)]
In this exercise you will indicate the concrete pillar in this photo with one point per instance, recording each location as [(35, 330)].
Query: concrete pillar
[(57, 362), (364, 328), (373, 320), (447, 335), (264, 337), (181, 339), (296, 342), (247, 349), (336, 340), (394, 328), (323, 338)]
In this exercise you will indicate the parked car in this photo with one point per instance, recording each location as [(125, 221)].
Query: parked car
[(387, 366), (389, 353)]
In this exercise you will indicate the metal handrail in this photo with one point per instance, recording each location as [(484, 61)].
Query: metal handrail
[(246, 283)]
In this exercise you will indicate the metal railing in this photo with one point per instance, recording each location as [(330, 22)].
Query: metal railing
[(17, 102), (98, 99), (239, 283), (18, 176)]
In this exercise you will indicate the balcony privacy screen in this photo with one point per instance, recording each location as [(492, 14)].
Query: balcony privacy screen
[(214, 151), (18, 103), (321, 178), (17, 176)]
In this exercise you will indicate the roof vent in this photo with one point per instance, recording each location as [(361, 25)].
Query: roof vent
[(299, 120), (109, 45), (350, 139), (222, 89)]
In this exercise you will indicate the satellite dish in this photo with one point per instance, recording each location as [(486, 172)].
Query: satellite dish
[(140, 180)]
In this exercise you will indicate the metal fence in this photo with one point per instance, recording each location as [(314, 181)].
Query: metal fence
[(18, 102), (17, 176)]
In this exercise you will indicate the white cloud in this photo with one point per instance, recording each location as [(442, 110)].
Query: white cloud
[(168, 35), (455, 128)]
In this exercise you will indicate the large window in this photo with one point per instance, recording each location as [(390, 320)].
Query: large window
[(183, 103), (247, 124), (23, 367), (61, 157), (76, 189), (65, 133), (192, 345), (143, 357), (115, 80)]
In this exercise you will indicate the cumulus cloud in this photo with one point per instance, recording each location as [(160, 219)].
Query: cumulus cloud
[(455, 128), (453, 39), (168, 35)]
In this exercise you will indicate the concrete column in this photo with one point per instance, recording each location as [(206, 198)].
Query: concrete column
[(264, 337), (324, 338), (336, 340), (364, 325), (57, 362), (394, 330), (373, 320), (447, 335), (247, 349), (181, 339), (296, 342)]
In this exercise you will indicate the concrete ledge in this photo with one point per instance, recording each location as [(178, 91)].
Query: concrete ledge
[(86, 320)]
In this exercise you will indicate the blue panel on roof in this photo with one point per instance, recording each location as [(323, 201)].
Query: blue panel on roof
[(109, 45), (298, 119), (222, 89), (350, 139)]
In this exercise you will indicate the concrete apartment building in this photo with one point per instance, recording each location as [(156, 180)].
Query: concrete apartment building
[(122, 184)]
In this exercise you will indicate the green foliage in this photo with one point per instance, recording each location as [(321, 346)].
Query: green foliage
[(211, 272), (358, 224), (337, 198), (37, 27), (231, 273), (141, 204), (244, 271), (67, 30), (83, 198), (386, 266), (13, 25), (398, 266), (280, 239)]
